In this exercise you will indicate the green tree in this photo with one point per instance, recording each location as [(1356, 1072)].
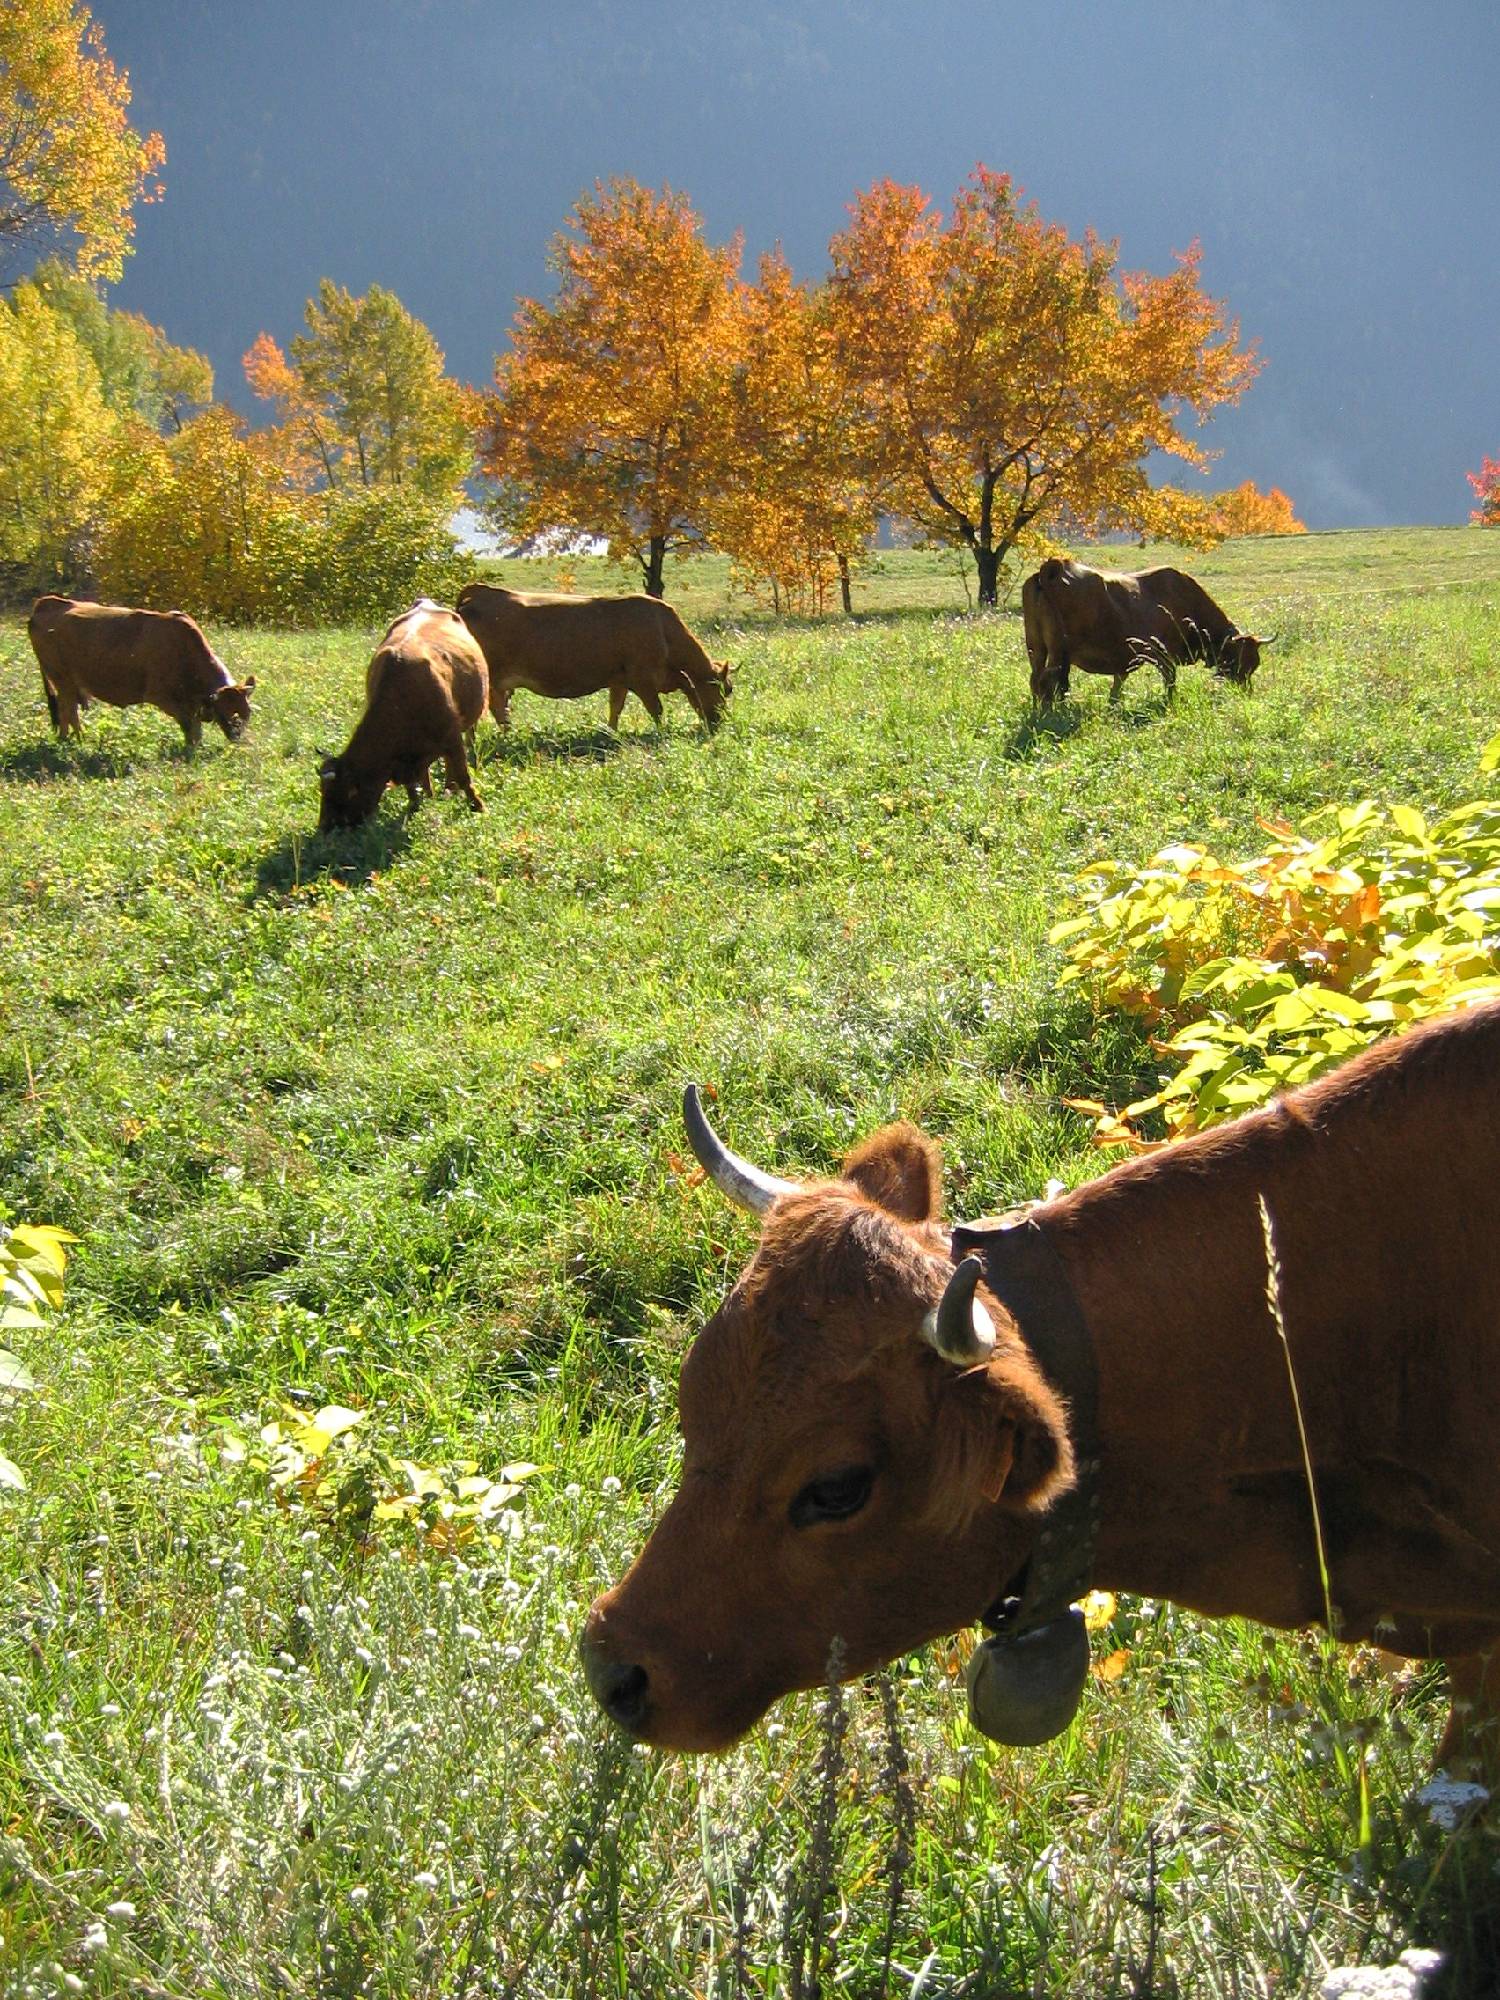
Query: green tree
[(140, 371), (71, 167), (363, 398)]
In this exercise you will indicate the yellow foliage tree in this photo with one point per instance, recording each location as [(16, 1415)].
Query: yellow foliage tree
[(363, 399), (1245, 510), (793, 504), (1018, 378), (140, 371), (195, 519), (610, 412), (57, 440), (71, 167)]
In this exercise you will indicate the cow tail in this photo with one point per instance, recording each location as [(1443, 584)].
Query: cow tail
[(51, 697)]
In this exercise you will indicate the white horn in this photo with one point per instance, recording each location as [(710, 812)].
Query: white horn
[(958, 1325), (730, 1174)]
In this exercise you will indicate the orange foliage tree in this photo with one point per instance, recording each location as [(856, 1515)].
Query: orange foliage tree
[(1486, 483), (1017, 379), (1245, 510), (71, 167), (793, 505), (610, 410)]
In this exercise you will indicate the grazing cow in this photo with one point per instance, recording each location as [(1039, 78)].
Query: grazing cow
[(108, 652), (566, 647), (1112, 622), (425, 691), (877, 1452)]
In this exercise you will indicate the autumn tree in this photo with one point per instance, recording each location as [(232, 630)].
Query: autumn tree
[(141, 372), (1486, 483), (363, 400), (1245, 510), (58, 437), (610, 410), (1016, 378), (793, 504), (71, 167)]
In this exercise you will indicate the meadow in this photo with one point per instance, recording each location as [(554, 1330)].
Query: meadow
[(388, 1123)]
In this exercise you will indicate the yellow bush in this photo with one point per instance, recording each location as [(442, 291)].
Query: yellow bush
[(1261, 974)]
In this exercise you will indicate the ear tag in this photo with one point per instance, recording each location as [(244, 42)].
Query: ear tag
[(1026, 1689)]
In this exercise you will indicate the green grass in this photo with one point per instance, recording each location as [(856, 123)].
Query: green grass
[(390, 1121)]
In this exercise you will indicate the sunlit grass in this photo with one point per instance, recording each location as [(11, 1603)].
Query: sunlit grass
[(391, 1121)]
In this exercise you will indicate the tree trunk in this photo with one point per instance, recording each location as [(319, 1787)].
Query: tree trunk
[(656, 555), (988, 564), (844, 591)]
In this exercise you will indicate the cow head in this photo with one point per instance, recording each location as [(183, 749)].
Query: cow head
[(1239, 656), (229, 706), (867, 1447), (347, 798), (715, 691)]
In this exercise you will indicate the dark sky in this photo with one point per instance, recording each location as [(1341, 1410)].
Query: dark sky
[(1335, 157)]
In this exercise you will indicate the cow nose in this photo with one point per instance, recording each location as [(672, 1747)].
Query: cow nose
[(622, 1689)]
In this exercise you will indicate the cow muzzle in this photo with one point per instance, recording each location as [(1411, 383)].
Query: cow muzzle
[(621, 1688)]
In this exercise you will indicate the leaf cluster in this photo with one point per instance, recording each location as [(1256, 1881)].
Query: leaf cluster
[(1259, 975), (325, 1467), (32, 1263)]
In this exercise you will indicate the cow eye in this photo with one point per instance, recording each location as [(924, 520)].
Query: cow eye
[(833, 1498)]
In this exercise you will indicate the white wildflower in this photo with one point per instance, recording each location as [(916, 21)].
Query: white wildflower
[(121, 1911), (118, 1811), (425, 1879), (610, 1485), (1448, 1801), (1405, 1980)]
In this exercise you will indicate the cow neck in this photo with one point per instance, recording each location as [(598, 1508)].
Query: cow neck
[(1024, 1272)]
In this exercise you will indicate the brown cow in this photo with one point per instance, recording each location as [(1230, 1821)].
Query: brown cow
[(425, 691), (1114, 621), (567, 647), (108, 652), (876, 1456)]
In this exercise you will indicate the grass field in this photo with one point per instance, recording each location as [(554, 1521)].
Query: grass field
[(390, 1122)]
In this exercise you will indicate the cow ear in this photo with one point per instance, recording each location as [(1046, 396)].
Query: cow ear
[(1001, 1436), (247, 683), (898, 1169)]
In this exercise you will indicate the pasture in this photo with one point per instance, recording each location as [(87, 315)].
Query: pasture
[(389, 1122)]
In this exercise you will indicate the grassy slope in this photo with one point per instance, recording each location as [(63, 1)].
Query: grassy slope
[(390, 1122)]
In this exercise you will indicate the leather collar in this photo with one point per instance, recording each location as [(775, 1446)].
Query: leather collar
[(1024, 1272)]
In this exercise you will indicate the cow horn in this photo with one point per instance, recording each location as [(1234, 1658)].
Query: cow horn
[(730, 1174), (958, 1325), (1269, 640)]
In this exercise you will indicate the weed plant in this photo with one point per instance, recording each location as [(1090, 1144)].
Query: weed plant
[(389, 1122)]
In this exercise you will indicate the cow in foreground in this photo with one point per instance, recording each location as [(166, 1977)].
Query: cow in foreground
[(109, 652), (886, 1439), (425, 691), (1114, 621), (567, 647)]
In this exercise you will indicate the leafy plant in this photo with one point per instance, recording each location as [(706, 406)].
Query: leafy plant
[(32, 1262), (319, 1463), (1269, 971)]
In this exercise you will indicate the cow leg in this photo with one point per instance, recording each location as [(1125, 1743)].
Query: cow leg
[(69, 721), (500, 705), (1051, 682), (1471, 1741), (456, 776), (618, 695), (652, 703), (1168, 671), (192, 728), (1117, 687)]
